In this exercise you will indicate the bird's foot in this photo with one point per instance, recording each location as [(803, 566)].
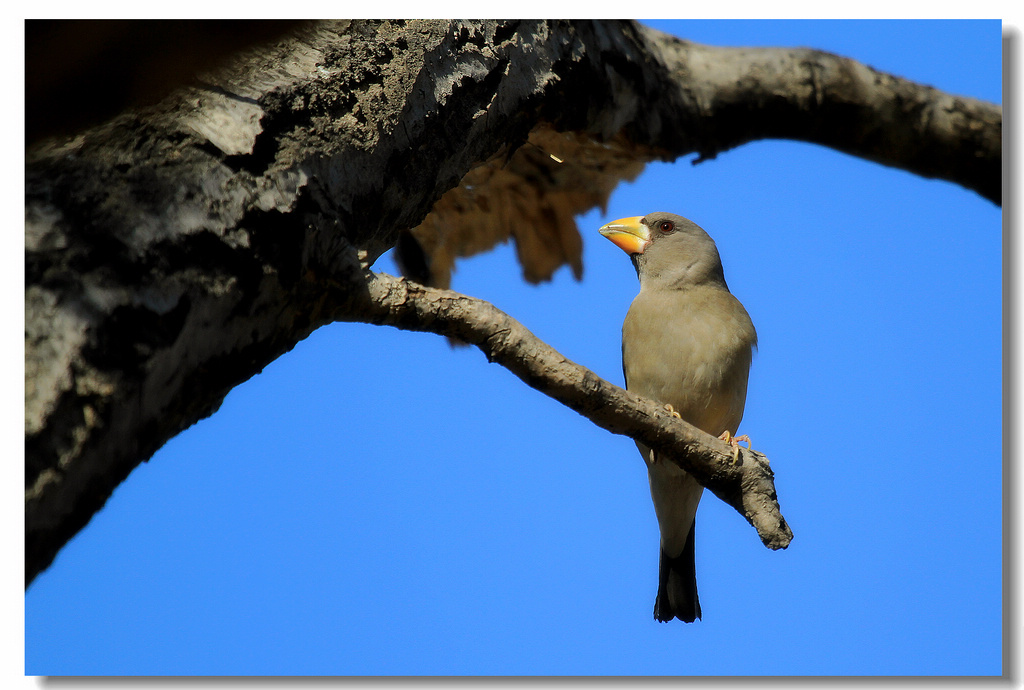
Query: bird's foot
[(671, 411), (734, 441)]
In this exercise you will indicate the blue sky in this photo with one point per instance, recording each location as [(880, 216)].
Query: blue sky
[(376, 502)]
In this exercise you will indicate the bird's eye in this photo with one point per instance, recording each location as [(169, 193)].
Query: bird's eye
[(666, 226)]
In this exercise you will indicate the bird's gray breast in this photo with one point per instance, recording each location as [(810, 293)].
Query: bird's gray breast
[(692, 349)]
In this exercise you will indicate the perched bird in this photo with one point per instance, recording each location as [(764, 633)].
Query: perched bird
[(687, 342)]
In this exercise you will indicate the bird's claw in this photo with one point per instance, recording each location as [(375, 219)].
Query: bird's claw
[(671, 411), (734, 441)]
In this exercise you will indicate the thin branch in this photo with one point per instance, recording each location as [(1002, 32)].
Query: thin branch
[(747, 485)]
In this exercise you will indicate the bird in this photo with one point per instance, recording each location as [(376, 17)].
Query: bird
[(687, 343)]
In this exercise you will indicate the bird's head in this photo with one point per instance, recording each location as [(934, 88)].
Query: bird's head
[(667, 249)]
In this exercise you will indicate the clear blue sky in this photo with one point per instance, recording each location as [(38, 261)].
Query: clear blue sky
[(376, 502)]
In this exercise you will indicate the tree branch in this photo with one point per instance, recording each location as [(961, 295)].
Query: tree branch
[(747, 485), (730, 96), (174, 251)]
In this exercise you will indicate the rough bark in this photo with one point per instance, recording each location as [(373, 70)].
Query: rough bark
[(739, 95), (174, 251)]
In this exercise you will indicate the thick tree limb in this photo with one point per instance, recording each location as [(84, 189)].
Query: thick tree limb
[(747, 485), (174, 251), (730, 96)]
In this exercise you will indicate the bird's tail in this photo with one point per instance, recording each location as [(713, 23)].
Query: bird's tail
[(677, 585)]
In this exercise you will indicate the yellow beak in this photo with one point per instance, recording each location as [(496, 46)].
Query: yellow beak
[(628, 234)]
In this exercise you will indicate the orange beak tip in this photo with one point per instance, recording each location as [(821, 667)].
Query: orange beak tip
[(628, 234)]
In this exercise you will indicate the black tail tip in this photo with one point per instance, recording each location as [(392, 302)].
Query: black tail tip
[(663, 613), (677, 585)]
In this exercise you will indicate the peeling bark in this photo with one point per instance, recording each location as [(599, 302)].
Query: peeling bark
[(174, 251)]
